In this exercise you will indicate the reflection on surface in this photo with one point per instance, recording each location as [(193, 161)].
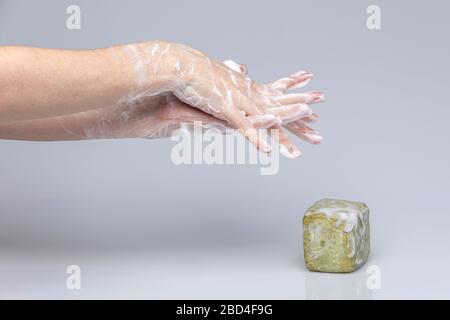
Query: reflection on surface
[(329, 286)]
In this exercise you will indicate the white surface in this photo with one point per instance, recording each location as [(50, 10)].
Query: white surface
[(233, 272)]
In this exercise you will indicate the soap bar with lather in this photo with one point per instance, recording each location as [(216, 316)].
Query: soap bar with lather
[(336, 235)]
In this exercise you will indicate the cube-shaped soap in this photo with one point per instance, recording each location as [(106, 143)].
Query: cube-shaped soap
[(336, 235)]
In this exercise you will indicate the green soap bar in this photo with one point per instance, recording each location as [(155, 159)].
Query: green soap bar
[(336, 235)]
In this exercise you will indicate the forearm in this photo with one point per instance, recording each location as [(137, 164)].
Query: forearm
[(117, 121), (68, 127), (37, 83)]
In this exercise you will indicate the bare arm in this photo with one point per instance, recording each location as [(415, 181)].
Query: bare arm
[(37, 83), (47, 83), (60, 128), (152, 117)]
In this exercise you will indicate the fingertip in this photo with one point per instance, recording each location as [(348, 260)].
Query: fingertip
[(243, 68), (289, 154), (316, 96), (264, 146), (299, 73), (301, 80), (252, 135), (319, 139), (315, 138), (312, 118)]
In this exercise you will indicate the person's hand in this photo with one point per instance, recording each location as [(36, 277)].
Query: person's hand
[(221, 91), (277, 93), (153, 118), (38, 88), (159, 117)]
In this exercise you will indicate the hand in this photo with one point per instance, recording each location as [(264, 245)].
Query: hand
[(277, 90), (223, 92), (152, 118), (136, 81), (157, 120)]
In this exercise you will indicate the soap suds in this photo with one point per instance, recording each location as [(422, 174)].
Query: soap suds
[(345, 213)]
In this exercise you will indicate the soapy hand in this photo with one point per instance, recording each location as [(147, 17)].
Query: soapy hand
[(159, 116), (224, 91), (277, 92), (151, 118)]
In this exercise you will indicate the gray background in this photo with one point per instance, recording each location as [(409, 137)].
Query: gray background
[(141, 227)]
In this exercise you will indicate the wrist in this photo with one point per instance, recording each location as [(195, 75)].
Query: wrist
[(152, 66)]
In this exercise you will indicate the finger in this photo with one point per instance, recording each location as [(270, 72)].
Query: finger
[(294, 81), (312, 118), (293, 98), (260, 114), (204, 126), (252, 105), (243, 68), (187, 117), (257, 107), (207, 122), (300, 129), (264, 121), (249, 104), (287, 146), (292, 112), (243, 124)]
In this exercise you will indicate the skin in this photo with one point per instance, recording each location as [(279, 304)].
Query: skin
[(37, 83), (152, 117), (143, 91)]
